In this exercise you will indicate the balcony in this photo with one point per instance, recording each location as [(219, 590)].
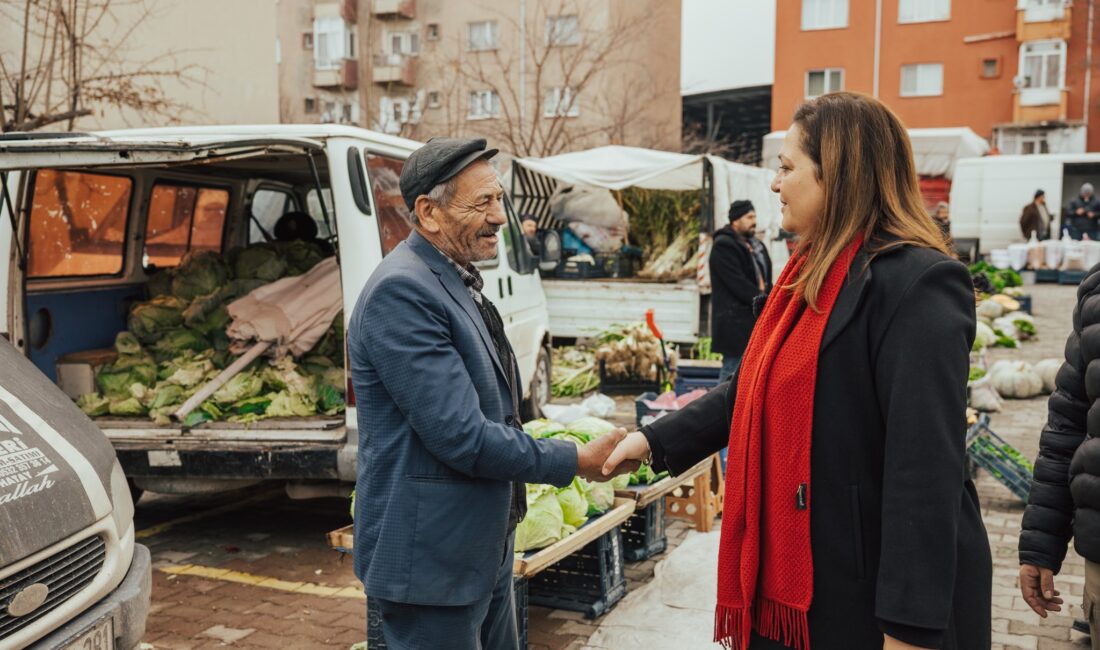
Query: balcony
[(1042, 21), (1039, 105), (395, 9), (396, 69), (344, 76)]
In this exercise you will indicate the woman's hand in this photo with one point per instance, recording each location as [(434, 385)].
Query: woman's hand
[(890, 643), (627, 455)]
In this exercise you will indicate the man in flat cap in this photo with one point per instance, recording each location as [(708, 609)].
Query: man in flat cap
[(740, 270), (442, 456)]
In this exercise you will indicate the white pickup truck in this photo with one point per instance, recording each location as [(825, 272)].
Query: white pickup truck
[(85, 235)]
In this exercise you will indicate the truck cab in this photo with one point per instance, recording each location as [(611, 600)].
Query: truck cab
[(88, 220)]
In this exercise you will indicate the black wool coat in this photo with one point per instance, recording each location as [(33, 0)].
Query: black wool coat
[(1065, 493), (897, 536), (733, 288)]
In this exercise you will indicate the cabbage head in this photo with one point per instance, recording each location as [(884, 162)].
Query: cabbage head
[(174, 342), (115, 381), (166, 394), (590, 427), (259, 262), (93, 404), (126, 343), (544, 523), (542, 428), (242, 386), (574, 506), (128, 406), (286, 404), (149, 319), (300, 256), (600, 496), (200, 273)]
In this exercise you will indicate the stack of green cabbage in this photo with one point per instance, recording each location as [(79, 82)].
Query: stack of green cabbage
[(555, 513), (177, 342)]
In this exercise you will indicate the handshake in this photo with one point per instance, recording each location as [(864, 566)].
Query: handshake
[(611, 455)]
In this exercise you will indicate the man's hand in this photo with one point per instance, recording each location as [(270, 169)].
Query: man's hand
[(591, 457), (628, 455), (1080, 211), (1037, 588)]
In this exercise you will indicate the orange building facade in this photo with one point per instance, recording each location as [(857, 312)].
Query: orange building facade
[(1014, 71)]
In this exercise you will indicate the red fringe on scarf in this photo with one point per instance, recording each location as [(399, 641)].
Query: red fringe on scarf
[(770, 619)]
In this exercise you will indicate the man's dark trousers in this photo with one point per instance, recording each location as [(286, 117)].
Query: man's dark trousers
[(489, 624)]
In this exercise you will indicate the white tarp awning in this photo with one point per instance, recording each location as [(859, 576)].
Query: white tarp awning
[(616, 167), (935, 151)]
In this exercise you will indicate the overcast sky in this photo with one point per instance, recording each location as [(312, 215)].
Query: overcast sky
[(727, 44)]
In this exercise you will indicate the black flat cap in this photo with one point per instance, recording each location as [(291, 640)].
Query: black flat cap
[(439, 160), (739, 209)]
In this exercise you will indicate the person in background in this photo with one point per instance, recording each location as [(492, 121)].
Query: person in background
[(942, 216), (1082, 213), (531, 234), (1035, 218), (740, 270)]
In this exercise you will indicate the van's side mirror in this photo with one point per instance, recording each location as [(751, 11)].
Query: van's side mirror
[(549, 250)]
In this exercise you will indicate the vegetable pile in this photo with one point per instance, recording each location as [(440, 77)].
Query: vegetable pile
[(573, 372), (629, 352), (998, 279), (1002, 324), (665, 224), (176, 342), (555, 513)]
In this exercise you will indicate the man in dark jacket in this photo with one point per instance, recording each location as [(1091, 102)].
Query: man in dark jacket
[(1065, 494), (740, 270), (1082, 213), (1035, 218)]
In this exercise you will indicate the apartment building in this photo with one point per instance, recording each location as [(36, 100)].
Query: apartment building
[(536, 77), (1015, 71)]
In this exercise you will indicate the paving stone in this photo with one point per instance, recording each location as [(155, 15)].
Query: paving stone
[(227, 635)]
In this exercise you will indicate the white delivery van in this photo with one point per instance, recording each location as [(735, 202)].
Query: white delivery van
[(71, 575), (95, 213), (989, 193)]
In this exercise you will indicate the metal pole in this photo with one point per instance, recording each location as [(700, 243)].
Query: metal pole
[(522, 63), (878, 46), (1088, 71)]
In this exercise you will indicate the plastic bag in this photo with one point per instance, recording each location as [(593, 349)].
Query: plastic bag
[(983, 396), (1036, 258), (599, 405), (592, 205)]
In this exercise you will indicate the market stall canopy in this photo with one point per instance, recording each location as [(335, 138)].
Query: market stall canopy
[(617, 167), (935, 150)]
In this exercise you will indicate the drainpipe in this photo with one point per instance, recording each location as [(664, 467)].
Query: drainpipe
[(1088, 71), (522, 64), (878, 46)]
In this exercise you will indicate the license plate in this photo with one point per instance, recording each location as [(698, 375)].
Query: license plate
[(100, 637)]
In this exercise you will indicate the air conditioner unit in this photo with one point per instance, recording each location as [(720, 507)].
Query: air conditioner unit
[(1020, 81)]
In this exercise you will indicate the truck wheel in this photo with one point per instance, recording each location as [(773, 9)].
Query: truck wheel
[(540, 387)]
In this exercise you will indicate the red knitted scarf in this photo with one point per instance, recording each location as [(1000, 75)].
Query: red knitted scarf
[(765, 568)]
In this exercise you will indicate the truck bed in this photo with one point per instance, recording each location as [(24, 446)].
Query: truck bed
[(581, 308)]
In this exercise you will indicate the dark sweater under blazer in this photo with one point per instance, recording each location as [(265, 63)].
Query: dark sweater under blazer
[(897, 534)]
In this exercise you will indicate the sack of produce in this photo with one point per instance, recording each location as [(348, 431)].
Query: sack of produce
[(989, 310), (983, 396), (1047, 369), (592, 205), (1016, 380)]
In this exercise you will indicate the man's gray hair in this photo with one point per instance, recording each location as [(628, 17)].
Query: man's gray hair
[(441, 195)]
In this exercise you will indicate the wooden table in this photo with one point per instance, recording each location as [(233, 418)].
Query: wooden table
[(534, 561)]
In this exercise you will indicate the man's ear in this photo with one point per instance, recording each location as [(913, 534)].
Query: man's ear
[(427, 214)]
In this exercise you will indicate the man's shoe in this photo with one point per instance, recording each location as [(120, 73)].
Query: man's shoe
[(1081, 625)]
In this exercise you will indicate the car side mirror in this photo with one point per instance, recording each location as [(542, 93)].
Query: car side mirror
[(549, 250)]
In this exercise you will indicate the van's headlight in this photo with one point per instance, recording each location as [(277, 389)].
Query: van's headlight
[(122, 506)]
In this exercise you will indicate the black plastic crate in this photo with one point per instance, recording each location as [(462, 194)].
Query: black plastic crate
[(688, 384), (1071, 277), (1025, 303), (376, 641), (644, 533), (628, 387), (618, 265), (591, 580), (1046, 275), (580, 270)]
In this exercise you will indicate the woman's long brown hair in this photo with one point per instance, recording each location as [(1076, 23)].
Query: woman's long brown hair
[(864, 161)]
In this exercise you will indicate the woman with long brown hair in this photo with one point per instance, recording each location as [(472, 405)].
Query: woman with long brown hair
[(850, 522)]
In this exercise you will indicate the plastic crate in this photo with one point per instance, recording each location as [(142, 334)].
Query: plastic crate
[(687, 384), (618, 265), (987, 450), (376, 641), (1025, 303), (644, 533), (643, 411), (591, 580), (1071, 277), (1046, 275), (628, 387), (579, 270)]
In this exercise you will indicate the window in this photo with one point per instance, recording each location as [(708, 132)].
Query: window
[(1023, 142), (77, 224), (923, 11), (414, 44), (333, 41), (433, 32), (1043, 64), (991, 68), (267, 206), (307, 41), (484, 104), (434, 99), (820, 82), (824, 14), (562, 31), (311, 105), (403, 43), (183, 218), (482, 35), (313, 207), (394, 220), (560, 102), (922, 80)]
